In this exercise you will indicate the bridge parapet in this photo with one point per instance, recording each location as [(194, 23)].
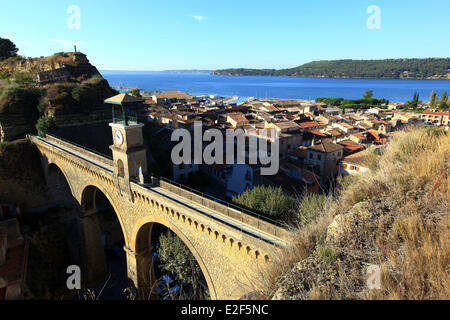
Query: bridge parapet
[(228, 209), (101, 158)]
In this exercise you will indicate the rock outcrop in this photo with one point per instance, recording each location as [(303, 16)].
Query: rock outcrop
[(65, 86)]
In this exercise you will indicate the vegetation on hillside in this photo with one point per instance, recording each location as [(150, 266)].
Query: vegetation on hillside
[(21, 101), (366, 102), (394, 217), (387, 68), (45, 125)]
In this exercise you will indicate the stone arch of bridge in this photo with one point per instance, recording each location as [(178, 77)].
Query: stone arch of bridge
[(88, 203), (141, 238), (52, 169)]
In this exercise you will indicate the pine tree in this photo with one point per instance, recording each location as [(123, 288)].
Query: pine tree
[(433, 99), (443, 103)]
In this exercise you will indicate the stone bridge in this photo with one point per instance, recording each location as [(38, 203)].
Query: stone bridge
[(232, 248)]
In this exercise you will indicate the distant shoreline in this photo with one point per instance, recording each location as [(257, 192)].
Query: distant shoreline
[(414, 69), (325, 77), (212, 73)]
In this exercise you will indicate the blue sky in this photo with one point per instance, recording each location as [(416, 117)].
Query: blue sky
[(212, 34)]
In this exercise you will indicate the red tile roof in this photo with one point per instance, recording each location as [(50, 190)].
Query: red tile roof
[(350, 145), (437, 113), (309, 124), (326, 147), (317, 133), (357, 158)]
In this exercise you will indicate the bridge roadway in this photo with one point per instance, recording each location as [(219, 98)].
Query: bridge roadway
[(243, 227)]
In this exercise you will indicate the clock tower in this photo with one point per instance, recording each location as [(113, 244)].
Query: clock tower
[(128, 149)]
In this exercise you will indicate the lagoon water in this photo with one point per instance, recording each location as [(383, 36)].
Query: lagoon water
[(277, 87)]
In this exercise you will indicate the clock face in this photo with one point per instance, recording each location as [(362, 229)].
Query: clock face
[(119, 138)]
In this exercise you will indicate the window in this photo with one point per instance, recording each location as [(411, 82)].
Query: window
[(120, 168), (319, 157), (357, 169), (311, 155), (344, 166)]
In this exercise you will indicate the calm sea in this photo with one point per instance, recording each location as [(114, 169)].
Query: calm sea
[(277, 87)]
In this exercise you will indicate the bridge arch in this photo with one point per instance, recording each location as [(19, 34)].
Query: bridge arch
[(141, 238), (88, 203), (52, 171)]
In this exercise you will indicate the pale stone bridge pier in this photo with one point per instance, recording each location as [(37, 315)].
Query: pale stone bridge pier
[(233, 249)]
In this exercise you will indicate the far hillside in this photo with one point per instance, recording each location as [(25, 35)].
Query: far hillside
[(430, 68)]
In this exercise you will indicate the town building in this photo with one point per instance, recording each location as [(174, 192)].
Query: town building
[(325, 158), (441, 118), (354, 164)]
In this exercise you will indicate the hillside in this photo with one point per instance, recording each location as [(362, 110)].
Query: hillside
[(65, 86), (395, 217), (431, 68), (21, 181), (33, 66)]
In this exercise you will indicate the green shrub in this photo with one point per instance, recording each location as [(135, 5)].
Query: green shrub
[(41, 107), (268, 201), (326, 254), (45, 125), (4, 74), (79, 93), (23, 78), (311, 207)]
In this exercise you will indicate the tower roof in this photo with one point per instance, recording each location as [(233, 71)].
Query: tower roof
[(123, 99)]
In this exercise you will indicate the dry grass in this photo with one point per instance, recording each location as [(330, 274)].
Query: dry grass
[(416, 161), (416, 260), (308, 237), (401, 225)]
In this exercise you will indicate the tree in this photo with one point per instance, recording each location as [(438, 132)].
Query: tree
[(414, 103), (23, 78), (79, 93), (176, 259), (368, 94), (433, 99), (45, 125), (7, 49), (443, 103), (136, 92), (268, 201)]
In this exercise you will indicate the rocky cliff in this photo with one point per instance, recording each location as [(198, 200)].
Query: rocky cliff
[(21, 178), (34, 66), (65, 86)]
